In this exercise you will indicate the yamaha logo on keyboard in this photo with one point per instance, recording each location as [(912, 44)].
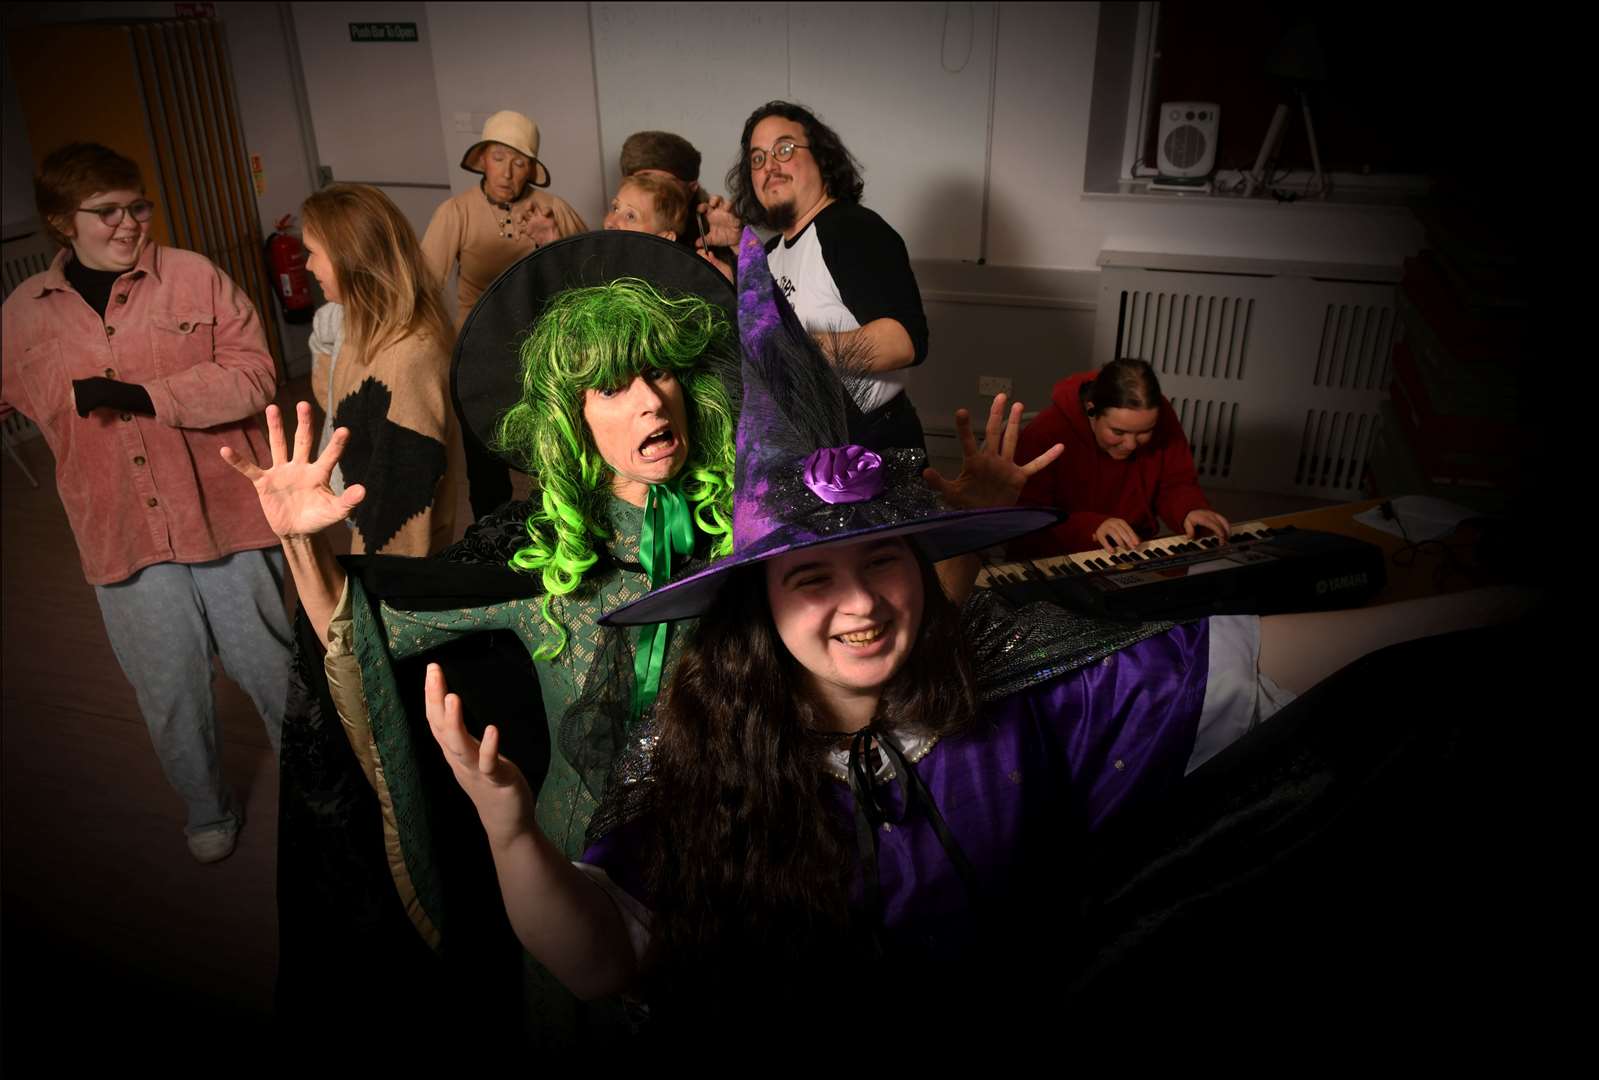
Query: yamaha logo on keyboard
[(1337, 584)]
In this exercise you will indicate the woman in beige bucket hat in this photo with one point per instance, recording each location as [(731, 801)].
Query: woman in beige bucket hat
[(486, 229)]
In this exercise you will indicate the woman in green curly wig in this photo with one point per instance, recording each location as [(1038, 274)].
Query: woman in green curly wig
[(624, 396), (623, 418), (615, 404)]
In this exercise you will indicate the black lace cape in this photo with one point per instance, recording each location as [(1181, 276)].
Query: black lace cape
[(347, 950)]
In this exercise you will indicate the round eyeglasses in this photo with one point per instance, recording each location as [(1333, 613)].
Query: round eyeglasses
[(781, 151), (111, 216)]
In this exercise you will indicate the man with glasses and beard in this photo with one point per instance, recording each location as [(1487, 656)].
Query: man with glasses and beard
[(844, 269)]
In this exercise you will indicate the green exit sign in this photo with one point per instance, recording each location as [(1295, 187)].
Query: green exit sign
[(383, 31)]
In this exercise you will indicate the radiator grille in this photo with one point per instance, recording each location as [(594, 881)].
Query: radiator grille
[(20, 259), (1204, 336), (24, 257), (1334, 449), (1278, 375), (1212, 428), (1356, 342)]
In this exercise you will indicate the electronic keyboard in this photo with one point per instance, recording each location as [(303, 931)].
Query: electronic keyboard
[(1257, 571)]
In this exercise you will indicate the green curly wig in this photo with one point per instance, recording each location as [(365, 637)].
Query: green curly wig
[(598, 337)]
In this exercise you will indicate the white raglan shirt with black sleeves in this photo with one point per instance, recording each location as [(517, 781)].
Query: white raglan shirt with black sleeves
[(846, 268)]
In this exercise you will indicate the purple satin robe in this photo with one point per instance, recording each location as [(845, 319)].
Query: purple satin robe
[(1039, 770)]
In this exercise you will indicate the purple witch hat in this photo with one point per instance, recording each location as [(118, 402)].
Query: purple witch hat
[(798, 481)]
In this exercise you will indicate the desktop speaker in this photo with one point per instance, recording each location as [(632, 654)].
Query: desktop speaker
[(1187, 143)]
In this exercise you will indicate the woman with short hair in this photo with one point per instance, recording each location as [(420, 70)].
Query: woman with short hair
[(139, 363)]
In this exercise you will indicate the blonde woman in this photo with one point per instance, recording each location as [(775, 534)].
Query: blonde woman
[(390, 384)]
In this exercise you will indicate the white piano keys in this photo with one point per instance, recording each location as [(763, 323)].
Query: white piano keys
[(1100, 561)]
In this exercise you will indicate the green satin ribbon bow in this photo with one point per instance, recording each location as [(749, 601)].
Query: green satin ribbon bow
[(668, 532)]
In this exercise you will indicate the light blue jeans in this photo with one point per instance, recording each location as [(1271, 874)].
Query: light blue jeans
[(165, 624)]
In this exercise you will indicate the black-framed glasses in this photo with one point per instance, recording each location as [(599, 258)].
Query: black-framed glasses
[(141, 210), (781, 151)]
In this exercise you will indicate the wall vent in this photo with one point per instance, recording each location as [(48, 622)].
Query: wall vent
[(1278, 370), (1356, 343), (1212, 429), (1334, 449), (1191, 334)]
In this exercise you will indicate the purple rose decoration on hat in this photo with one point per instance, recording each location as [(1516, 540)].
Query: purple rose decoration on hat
[(844, 474)]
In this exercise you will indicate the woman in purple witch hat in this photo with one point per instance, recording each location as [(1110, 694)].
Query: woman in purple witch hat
[(851, 788)]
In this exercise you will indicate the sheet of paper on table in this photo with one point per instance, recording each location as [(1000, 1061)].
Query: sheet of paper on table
[(1424, 517)]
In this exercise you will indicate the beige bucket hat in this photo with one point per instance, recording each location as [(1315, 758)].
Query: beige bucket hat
[(516, 131)]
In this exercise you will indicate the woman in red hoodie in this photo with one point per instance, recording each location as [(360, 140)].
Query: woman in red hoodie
[(1126, 462)]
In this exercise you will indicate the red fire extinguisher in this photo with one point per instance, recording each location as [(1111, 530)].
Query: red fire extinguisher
[(285, 257)]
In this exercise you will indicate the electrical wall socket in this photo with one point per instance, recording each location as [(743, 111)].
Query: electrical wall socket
[(989, 385)]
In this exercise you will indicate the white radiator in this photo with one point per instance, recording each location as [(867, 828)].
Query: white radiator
[(22, 255), (1277, 370)]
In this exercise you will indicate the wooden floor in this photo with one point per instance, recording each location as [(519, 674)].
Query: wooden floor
[(105, 913), (113, 934)]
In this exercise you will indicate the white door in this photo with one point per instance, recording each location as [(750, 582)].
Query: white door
[(374, 105)]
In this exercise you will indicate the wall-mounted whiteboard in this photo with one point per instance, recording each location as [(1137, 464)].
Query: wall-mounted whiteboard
[(906, 86)]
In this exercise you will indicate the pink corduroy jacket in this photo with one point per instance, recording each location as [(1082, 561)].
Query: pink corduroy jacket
[(140, 490)]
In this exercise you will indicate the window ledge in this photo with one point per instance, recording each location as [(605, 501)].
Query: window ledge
[(1228, 264), (1391, 199)]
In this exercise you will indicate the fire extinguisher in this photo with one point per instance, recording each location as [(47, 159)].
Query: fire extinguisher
[(285, 257)]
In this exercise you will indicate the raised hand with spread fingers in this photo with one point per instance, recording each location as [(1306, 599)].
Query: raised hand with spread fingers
[(989, 473), (294, 491), (298, 504)]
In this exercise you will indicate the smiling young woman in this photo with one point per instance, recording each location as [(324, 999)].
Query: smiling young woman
[(139, 363)]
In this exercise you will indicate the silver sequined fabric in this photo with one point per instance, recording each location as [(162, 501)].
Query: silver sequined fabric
[(1013, 649)]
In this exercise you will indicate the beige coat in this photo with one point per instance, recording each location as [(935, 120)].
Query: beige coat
[(413, 375), (469, 230)]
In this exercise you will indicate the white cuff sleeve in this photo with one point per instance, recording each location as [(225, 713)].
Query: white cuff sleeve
[(1237, 694)]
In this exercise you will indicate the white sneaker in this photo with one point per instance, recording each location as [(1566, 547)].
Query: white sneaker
[(213, 845)]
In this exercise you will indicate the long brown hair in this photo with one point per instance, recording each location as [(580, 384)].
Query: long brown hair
[(387, 291), (752, 865)]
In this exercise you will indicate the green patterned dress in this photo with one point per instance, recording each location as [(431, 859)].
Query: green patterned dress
[(565, 803)]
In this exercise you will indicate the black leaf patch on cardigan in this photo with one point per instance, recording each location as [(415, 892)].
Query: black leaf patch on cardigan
[(400, 467)]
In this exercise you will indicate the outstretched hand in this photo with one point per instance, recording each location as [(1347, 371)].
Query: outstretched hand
[(722, 226), (294, 491), (538, 225), (495, 785), (989, 474)]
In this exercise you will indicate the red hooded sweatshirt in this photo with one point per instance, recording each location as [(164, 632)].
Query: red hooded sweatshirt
[(1091, 486)]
